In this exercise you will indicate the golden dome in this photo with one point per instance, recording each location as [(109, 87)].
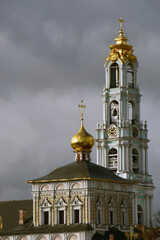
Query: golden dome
[(121, 49), (82, 140)]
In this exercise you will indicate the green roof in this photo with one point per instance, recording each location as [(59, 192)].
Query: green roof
[(9, 211), (10, 216), (80, 170)]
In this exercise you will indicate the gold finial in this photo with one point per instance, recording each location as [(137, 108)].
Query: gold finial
[(121, 50), (81, 106), (121, 25)]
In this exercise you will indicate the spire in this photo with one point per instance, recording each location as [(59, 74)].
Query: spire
[(121, 49)]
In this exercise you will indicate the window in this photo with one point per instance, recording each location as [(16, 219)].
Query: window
[(135, 160), (130, 76), (112, 211), (124, 213), (112, 159), (46, 217), (114, 75), (140, 214), (111, 217), (123, 218), (114, 112), (98, 216), (45, 212), (76, 210), (60, 211), (61, 217), (100, 210), (131, 111), (76, 216)]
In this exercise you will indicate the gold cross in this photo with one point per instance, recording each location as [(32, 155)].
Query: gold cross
[(121, 23), (81, 106)]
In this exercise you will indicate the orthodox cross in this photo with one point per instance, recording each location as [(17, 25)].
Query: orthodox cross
[(81, 106), (121, 23)]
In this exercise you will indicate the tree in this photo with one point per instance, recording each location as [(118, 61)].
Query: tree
[(156, 219)]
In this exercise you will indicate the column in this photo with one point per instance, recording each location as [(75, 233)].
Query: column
[(150, 207), (142, 160), (71, 215), (147, 211), (127, 158), (123, 158), (107, 78), (37, 211), (84, 210), (121, 76), (121, 109), (98, 155), (89, 208), (56, 215), (135, 210), (53, 220), (34, 210), (104, 155), (104, 109), (146, 160), (130, 159), (119, 158)]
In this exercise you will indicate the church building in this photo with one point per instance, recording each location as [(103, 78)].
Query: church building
[(75, 201)]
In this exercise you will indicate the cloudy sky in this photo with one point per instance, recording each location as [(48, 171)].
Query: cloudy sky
[(51, 56)]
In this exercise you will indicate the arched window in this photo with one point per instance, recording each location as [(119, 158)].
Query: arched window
[(46, 213), (135, 160), (112, 159), (58, 237), (123, 213), (99, 211), (130, 76), (73, 237), (114, 75), (131, 110), (114, 112), (76, 207), (140, 214), (111, 212)]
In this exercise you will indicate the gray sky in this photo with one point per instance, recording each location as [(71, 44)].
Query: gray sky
[(51, 56)]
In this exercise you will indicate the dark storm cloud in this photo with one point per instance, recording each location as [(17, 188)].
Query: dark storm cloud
[(51, 56), (68, 38)]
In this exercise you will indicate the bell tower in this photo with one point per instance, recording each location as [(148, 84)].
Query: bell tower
[(121, 139)]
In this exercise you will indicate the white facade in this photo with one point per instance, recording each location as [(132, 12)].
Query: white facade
[(92, 201)]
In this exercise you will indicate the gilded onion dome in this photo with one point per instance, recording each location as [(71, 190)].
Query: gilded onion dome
[(121, 49), (82, 140)]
